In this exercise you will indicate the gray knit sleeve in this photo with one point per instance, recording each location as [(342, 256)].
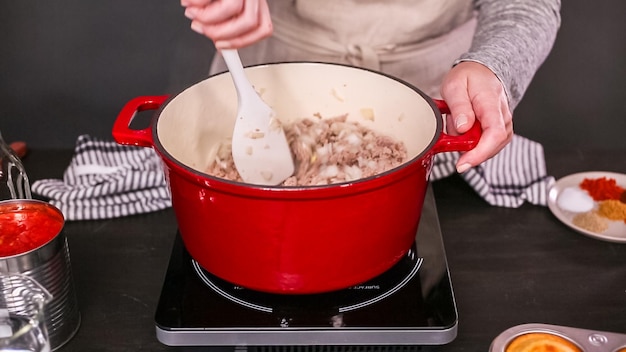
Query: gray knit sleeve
[(513, 38)]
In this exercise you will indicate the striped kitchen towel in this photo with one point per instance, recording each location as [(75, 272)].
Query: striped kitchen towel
[(515, 175), (107, 180)]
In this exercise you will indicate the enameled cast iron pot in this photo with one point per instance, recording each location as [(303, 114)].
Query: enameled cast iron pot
[(294, 240)]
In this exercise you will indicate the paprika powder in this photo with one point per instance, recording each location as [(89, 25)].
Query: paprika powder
[(602, 188)]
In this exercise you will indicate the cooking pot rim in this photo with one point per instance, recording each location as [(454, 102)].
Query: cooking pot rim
[(365, 181)]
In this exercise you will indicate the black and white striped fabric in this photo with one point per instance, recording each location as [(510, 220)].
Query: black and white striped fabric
[(107, 180), (515, 175)]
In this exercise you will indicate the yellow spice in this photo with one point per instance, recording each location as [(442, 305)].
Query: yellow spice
[(612, 209)]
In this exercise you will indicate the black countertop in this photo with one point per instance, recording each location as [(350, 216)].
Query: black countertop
[(508, 266)]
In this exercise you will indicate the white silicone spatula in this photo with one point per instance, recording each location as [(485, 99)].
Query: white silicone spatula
[(259, 146)]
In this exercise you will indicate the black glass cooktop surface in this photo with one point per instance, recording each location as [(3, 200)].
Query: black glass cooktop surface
[(410, 304)]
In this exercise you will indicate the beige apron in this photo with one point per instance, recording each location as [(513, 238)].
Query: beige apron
[(415, 40)]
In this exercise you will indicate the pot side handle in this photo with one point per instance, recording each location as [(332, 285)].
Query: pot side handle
[(462, 143), (123, 134)]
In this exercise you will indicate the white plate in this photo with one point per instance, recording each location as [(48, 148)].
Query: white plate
[(617, 229)]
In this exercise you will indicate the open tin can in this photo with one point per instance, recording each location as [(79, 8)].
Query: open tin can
[(545, 337), (34, 245)]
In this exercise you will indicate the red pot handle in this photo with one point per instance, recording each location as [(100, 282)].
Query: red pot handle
[(462, 143), (123, 134)]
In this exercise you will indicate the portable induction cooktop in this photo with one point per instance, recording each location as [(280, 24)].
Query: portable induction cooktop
[(410, 304)]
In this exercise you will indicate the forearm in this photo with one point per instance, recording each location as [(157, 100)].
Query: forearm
[(513, 38)]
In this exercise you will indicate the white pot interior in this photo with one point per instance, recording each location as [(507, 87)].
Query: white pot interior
[(194, 123)]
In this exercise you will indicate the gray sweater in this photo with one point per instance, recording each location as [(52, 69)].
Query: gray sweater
[(513, 38)]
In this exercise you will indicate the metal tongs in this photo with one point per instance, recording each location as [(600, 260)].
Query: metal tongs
[(14, 182)]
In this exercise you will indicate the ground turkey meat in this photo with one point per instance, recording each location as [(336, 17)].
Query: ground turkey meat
[(327, 151)]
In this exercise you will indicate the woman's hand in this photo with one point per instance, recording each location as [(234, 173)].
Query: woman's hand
[(473, 92), (230, 24)]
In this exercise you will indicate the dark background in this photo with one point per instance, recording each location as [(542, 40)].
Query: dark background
[(68, 66)]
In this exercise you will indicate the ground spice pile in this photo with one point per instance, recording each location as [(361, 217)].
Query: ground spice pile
[(613, 209), (591, 221), (602, 188)]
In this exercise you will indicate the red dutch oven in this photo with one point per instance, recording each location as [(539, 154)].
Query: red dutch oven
[(295, 240)]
